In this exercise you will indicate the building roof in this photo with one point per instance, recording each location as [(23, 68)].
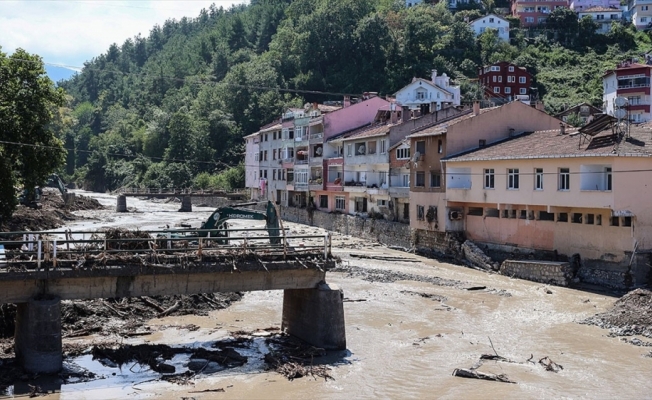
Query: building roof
[(625, 66), (270, 127), (600, 9), (431, 83), (368, 131), (503, 62), (593, 109), (552, 144), (488, 15), (442, 127)]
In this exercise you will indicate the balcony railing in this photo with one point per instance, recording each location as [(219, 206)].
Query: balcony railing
[(301, 162), (634, 85), (317, 135)]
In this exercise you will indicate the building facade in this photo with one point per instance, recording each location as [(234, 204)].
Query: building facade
[(491, 21), (534, 12), (504, 82), (580, 5), (603, 16), (630, 80), (426, 96), (564, 191), (641, 13)]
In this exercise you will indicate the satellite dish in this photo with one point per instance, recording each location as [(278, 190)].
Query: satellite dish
[(318, 151), (361, 149), (620, 113), (620, 101), (416, 156)]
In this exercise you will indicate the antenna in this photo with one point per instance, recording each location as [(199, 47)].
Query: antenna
[(621, 113)]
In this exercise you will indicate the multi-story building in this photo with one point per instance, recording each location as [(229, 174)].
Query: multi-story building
[(491, 21), (399, 180), (580, 5), (270, 183), (602, 16), (641, 13), (252, 179), (574, 192), (427, 96), (630, 80), (535, 12), (504, 82), (431, 180)]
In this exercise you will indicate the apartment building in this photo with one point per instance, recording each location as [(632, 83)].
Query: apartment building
[(535, 12), (602, 16), (570, 191), (503, 82), (629, 80), (641, 13), (399, 180), (252, 178), (430, 178), (580, 5)]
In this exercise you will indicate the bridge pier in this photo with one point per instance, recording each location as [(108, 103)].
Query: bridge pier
[(315, 316), (121, 206), (186, 204), (37, 338)]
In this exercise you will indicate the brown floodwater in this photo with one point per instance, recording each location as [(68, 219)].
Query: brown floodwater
[(400, 343)]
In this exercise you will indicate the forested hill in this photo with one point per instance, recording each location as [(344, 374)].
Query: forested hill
[(170, 109)]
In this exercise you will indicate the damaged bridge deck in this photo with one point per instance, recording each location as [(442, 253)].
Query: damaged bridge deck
[(106, 268)]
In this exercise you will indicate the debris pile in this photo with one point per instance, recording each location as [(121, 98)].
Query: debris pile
[(52, 214), (121, 233), (630, 315), (124, 317), (294, 359)]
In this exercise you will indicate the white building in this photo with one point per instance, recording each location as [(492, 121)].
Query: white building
[(602, 16), (429, 95), (641, 12), (252, 181), (491, 21)]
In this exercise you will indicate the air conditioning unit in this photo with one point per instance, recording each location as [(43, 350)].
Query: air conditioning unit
[(455, 215)]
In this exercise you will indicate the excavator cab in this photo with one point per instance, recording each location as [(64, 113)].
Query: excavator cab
[(217, 222)]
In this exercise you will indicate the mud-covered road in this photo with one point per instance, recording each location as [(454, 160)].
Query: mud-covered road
[(411, 322)]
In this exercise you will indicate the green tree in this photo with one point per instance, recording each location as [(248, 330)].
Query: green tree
[(28, 101)]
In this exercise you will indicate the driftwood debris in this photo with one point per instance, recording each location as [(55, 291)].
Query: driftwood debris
[(550, 365), (384, 258), (152, 304), (470, 373), (170, 310)]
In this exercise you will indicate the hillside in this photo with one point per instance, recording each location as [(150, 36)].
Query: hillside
[(171, 108)]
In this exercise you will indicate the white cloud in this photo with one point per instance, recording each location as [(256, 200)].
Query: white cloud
[(71, 32)]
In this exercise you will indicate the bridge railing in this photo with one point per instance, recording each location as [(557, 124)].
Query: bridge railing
[(180, 191), (67, 248)]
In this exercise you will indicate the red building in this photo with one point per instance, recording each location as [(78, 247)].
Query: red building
[(505, 81), (535, 12)]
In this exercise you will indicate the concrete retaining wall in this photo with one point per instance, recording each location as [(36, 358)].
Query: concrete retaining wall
[(556, 273)]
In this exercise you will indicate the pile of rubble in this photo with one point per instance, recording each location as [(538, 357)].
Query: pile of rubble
[(630, 315)]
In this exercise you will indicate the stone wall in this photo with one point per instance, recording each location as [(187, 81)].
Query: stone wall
[(556, 273)]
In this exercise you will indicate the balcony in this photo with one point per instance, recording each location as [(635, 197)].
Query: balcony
[(334, 187), (378, 191), (301, 186), (316, 161), (399, 191), (301, 140), (356, 187), (303, 161), (316, 137)]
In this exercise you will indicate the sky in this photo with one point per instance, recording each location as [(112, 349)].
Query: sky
[(69, 32)]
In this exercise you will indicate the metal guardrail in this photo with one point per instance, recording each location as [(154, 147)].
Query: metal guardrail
[(58, 248), (138, 190)]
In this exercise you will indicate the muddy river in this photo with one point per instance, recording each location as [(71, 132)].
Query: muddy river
[(409, 324)]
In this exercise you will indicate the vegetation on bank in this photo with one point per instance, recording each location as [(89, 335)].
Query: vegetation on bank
[(170, 109)]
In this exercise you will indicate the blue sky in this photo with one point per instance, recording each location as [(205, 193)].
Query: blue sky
[(69, 32)]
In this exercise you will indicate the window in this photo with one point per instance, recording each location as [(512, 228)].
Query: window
[(301, 176), (508, 90), (266, 137), (421, 147), (274, 136), (522, 79), (421, 215), (421, 95), (607, 173), (564, 179), (643, 8), (339, 203), (643, 19), (538, 179), (265, 155), (576, 218), (482, 143), (265, 173), (421, 179), (371, 147), (383, 146), (512, 178), (349, 150), (546, 216), (405, 180), (323, 201), (500, 79), (511, 68), (256, 157), (522, 91), (381, 203), (491, 20), (476, 211), (495, 78), (599, 16), (495, 68), (435, 179), (274, 174), (440, 146), (511, 79), (529, 19), (496, 89), (562, 217), (403, 154), (489, 178), (274, 155)]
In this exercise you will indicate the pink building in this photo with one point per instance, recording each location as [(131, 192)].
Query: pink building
[(580, 192), (535, 12)]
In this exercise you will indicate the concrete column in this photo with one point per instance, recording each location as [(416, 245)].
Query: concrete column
[(121, 206), (37, 339), (186, 204), (316, 316)]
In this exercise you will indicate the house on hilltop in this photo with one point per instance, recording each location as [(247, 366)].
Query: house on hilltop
[(426, 96), (491, 21)]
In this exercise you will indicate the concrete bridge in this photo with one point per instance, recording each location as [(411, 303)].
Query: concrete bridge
[(185, 195), (40, 269)]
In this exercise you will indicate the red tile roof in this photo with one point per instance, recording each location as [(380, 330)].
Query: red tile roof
[(442, 127), (552, 144)]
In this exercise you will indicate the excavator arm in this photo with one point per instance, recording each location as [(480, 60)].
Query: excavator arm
[(217, 222)]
